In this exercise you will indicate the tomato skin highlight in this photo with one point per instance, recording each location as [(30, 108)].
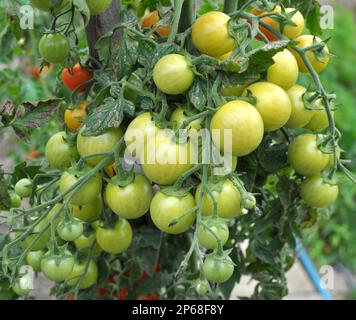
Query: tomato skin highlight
[(273, 104), (218, 269), (172, 74), (318, 65), (164, 209), (317, 193), (54, 47), (305, 156), (59, 153), (117, 239), (210, 34), (76, 77), (246, 124), (284, 72), (131, 201)]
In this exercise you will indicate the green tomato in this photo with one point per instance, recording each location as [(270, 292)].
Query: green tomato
[(131, 201), (41, 243), (273, 103), (54, 47), (20, 290), (232, 90), (88, 212), (15, 200), (305, 156), (89, 192), (117, 239), (23, 188), (205, 236), (172, 74), (6, 292), (97, 7), (85, 242), (69, 231), (319, 120), (178, 117), (57, 267), (46, 5), (102, 143), (166, 208), (34, 258), (90, 277), (246, 125), (218, 269), (59, 153), (202, 288), (228, 200), (317, 193)]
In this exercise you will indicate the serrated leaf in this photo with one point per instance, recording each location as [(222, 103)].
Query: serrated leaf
[(197, 94), (82, 7)]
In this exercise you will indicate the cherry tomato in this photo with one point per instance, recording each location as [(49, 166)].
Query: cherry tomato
[(15, 200), (148, 297), (167, 208), (54, 47), (246, 124), (122, 294), (202, 287), (97, 144), (232, 90), (210, 34), (117, 239), (300, 115), (319, 120), (69, 231), (76, 77), (88, 212), (90, 277), (87, 193), (272, 103), (270, 21), (59, 152), (295, 31), (163, 160), (34, 258), (317, 193), (318, 63), (332, 160), (47, 5), (23, 188), (153, 18), (73, 118), (131, 201), (57, 267), (98, 7), (85, 242), (39, 244), (305, 156), (178, 117), (37, 73), (284, 72), (172, 74), (228, 200), (205, 236), (218, 269)]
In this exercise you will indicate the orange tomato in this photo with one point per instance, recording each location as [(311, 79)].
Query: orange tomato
[(73, 118), (273, 23), (110, 170), (153, 18)]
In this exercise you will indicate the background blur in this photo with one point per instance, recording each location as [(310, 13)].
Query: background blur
[(331, 241)]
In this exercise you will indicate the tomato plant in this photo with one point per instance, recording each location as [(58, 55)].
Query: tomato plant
[(136, 197)]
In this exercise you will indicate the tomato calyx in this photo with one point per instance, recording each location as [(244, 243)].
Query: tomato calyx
[(123, 179), (175, 192)]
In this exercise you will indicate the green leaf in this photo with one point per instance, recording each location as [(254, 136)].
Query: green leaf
[(197, 94), (272, 156), (82, 7), (262, 250)]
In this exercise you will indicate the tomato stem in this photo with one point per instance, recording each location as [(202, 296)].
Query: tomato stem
[(176, 18)]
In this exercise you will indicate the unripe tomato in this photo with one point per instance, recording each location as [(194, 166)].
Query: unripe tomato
[(46, 5), (90, 277), (70, 231), (163, 160), (332, 160), (34, 258), (319, 64), (319, 120), (102, 143), (291, 31), (57, 267), (228, 200), (206, 237), (172, 74), (59, 153), (317, 193), (210, 34), (218, 269), (85, 242), (202, 287), (131, 201), (87, 193), (268, 20), (74, 118), (300, 115), (20, 290), (41, 243), (54, 47), (165, 209), (88, 212), (225, 168), (15, 200), (117, 239), (305, 156), (76, 77), (97, 7), (178, 117), (284, 72), (23, 188), (232, 90), (246, 124), (272, 103)]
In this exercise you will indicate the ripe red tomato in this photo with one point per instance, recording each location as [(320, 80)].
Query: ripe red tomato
[(76, 77)]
